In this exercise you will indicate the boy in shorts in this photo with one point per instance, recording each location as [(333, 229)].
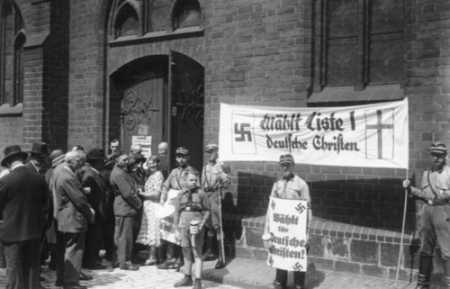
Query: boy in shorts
[(191, 205)]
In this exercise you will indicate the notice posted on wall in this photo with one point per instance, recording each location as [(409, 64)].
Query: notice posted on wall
[(288, 228), (145, 141)]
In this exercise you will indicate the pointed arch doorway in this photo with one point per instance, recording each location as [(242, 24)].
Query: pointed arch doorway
[(159, 98)]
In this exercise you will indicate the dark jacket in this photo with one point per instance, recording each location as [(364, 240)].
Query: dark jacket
[(97, 197), (23, 198), (74, 211), (31, 167), (126, 200)]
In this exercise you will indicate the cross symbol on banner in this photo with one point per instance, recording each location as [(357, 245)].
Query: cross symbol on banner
[(381, 128)]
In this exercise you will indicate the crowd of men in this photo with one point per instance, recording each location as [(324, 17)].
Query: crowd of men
[(86, 202)]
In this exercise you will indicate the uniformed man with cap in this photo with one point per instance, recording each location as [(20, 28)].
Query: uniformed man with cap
[(177, 180), (435, 221), (212, 179), (289, 186)]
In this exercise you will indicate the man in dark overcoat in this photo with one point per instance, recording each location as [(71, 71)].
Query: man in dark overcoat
[(23, 197), (38, 157), (73, 215), (97, 199), (126, 203)]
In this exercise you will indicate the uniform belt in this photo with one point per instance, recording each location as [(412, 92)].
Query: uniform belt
[(190, 209), (437, 202), (207, 190)]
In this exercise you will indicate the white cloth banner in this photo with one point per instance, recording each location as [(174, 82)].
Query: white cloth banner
[(288, 234), (168, 231), (375, 135)]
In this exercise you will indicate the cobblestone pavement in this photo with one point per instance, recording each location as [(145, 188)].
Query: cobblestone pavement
[(239, 273), (148, 277)]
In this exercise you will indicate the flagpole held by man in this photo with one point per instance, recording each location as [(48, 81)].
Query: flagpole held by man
[(434, 222)]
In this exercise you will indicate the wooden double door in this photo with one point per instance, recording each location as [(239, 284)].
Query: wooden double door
[(163, 100)]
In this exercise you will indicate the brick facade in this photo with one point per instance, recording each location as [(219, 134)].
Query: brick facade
[(261, 52)]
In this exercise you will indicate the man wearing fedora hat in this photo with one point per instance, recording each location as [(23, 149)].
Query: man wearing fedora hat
[(435, 214), (177, 180), (289, 186), (97, 199), (38, 157), (213, 178), (23, 197)]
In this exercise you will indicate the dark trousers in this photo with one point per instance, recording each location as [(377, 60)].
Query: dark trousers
[(93, 244), (281, 278), (435, 230), (23, 262), (60, 251), (123, 238), (74, 244)]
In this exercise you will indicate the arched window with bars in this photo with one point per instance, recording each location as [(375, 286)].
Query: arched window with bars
[(12, 41)]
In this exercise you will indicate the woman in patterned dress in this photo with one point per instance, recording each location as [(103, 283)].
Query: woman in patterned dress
[(149, 233)]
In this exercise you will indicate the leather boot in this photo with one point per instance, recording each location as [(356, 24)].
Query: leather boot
[(280, 279), (220, 261), (197, 283), (186, 281), (425, 267), (447, 274), (299, 280), (209, 254)]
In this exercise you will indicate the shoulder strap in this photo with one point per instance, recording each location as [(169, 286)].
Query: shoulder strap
[(178, 181), (431, 186)]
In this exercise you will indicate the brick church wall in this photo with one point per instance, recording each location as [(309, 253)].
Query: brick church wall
[(261, 53)]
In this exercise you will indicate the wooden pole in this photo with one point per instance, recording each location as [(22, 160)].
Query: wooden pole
[(400, 254)]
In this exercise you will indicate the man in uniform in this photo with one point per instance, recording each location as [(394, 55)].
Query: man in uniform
[(290, 186), (435, 221), (175, 181), (126, 203), (214, 177)]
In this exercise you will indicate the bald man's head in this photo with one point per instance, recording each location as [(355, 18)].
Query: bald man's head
[(162, 148)]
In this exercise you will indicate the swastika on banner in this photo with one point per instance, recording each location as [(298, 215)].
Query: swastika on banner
[(273, 205), (242, 135), (270, 261), (300, 208), (297, 267), (242, 132)]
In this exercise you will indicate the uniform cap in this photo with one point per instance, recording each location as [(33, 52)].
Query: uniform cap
[(286, 159), (211, 146), (181, 151), (438, 148)]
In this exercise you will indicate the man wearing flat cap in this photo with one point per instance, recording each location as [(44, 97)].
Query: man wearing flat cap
[(23, 197), (435, 213), (55, 237), (97, 199), (126, 203), (289, 186), (177, 180), (213, 178)]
